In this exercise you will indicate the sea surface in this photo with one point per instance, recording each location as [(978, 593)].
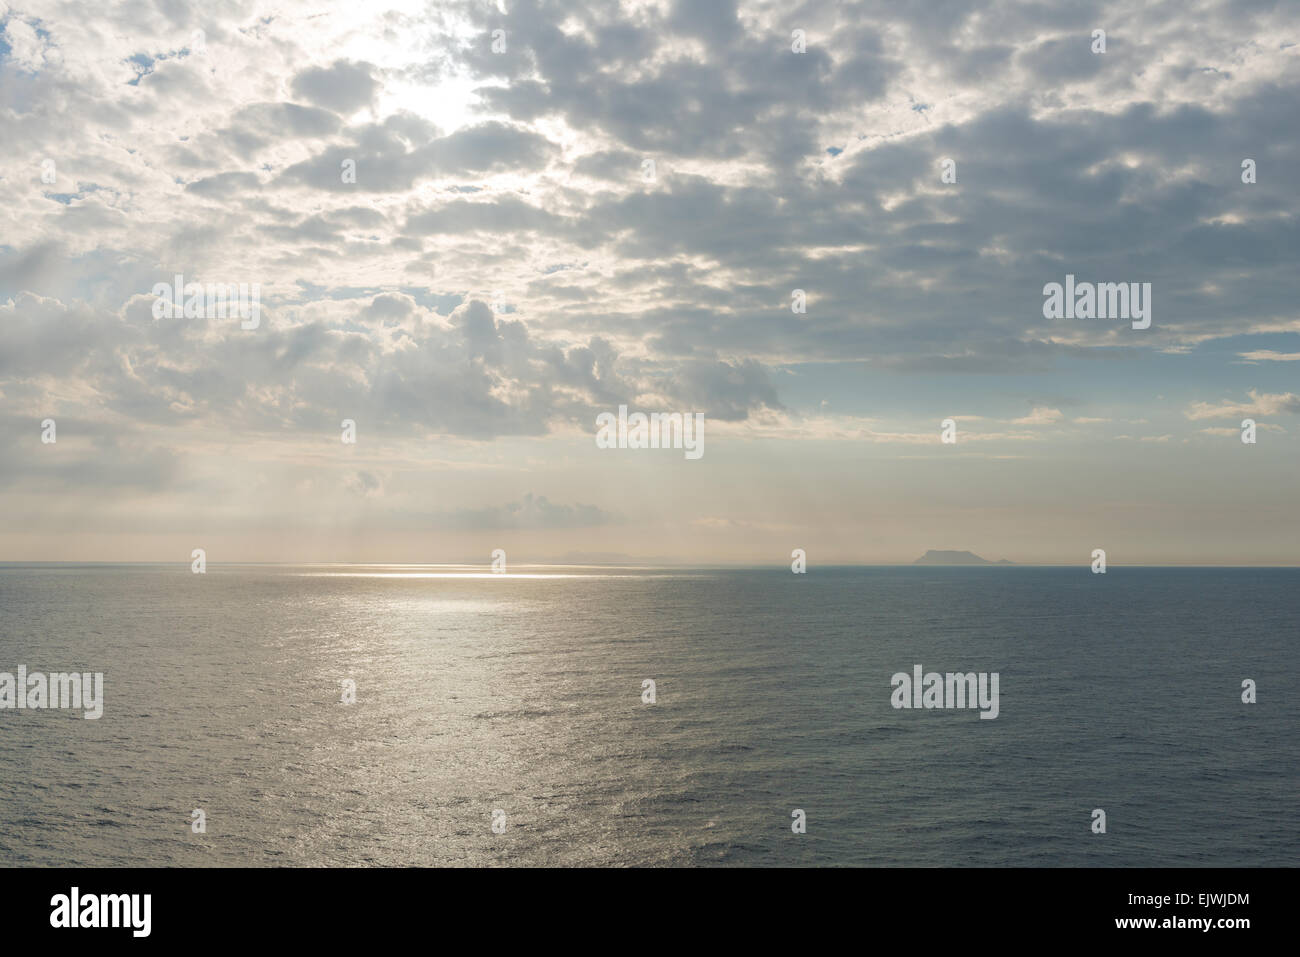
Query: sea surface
[(522, 693)]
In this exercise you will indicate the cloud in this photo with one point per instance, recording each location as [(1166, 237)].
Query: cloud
[(1235, 432), (531, 513), (1040, 416), (224, 185), (519, 175), (1268, 355), (364, 484), (343, 86), (26, 49), (1260, 404)]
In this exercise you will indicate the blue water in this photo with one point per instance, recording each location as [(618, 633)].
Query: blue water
[(524, 694)]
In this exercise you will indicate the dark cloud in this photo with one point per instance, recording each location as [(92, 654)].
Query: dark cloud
[(344, 86), (392, 156), (224, 185)]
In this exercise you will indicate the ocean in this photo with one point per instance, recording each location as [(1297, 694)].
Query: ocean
[(517, 701)]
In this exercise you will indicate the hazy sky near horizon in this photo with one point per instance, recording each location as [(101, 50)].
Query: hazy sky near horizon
[(503, 269)]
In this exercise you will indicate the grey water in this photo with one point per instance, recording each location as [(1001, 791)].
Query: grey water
[(479, 693)]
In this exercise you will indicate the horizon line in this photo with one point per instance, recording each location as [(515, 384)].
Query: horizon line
[(648, 564)]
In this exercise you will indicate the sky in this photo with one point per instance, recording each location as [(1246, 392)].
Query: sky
[(561, 208)]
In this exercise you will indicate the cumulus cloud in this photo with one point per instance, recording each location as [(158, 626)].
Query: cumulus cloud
[(343, 86)]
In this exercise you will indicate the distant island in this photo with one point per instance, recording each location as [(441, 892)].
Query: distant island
[(940, 557)]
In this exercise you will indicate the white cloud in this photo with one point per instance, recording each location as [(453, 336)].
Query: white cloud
[(1268, 355), (1040, 416), (1260, 404)]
